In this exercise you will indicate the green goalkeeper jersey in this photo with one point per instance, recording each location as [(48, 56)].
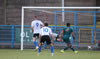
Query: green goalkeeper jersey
[(67, 33)]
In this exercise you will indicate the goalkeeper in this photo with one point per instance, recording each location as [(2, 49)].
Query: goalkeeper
[(65, 35)]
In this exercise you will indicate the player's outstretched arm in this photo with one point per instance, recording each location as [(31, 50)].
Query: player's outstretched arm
[(73, 36), (41, 24), (32, 28), (61, 34)]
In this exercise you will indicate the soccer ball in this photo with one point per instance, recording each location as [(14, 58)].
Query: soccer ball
[(58, 39), (70, 38), (89, 47)]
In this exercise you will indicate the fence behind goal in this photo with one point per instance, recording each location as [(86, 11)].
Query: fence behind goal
[(10, 36)]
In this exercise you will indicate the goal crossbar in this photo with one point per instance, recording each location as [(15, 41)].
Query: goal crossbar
[(62, 7)]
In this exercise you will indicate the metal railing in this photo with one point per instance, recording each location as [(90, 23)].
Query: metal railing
[(8, 33)]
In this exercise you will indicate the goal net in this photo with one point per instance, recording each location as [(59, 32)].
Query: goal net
[(78, 17)]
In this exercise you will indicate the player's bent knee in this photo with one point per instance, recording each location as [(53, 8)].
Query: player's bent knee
[(40, 44), (51, 44), (34, 39)]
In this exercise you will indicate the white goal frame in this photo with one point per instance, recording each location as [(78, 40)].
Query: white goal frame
[(25, 7)]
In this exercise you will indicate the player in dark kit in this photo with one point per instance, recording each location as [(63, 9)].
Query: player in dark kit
[(65, 35)]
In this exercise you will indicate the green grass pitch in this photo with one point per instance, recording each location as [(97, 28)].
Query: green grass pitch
[(45, 54)]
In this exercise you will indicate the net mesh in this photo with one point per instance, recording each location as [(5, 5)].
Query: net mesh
[(48, 15)]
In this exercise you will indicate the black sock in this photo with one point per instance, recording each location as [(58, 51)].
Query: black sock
[(72, 48), (65, 48)]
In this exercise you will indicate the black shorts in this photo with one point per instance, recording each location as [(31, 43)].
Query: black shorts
[(45, 38), (36, 35), (99, 44)]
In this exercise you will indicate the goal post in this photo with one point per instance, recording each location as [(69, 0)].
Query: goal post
[(29, 7)]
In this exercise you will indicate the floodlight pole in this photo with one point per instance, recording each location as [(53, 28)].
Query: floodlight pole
[(63, 13)]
